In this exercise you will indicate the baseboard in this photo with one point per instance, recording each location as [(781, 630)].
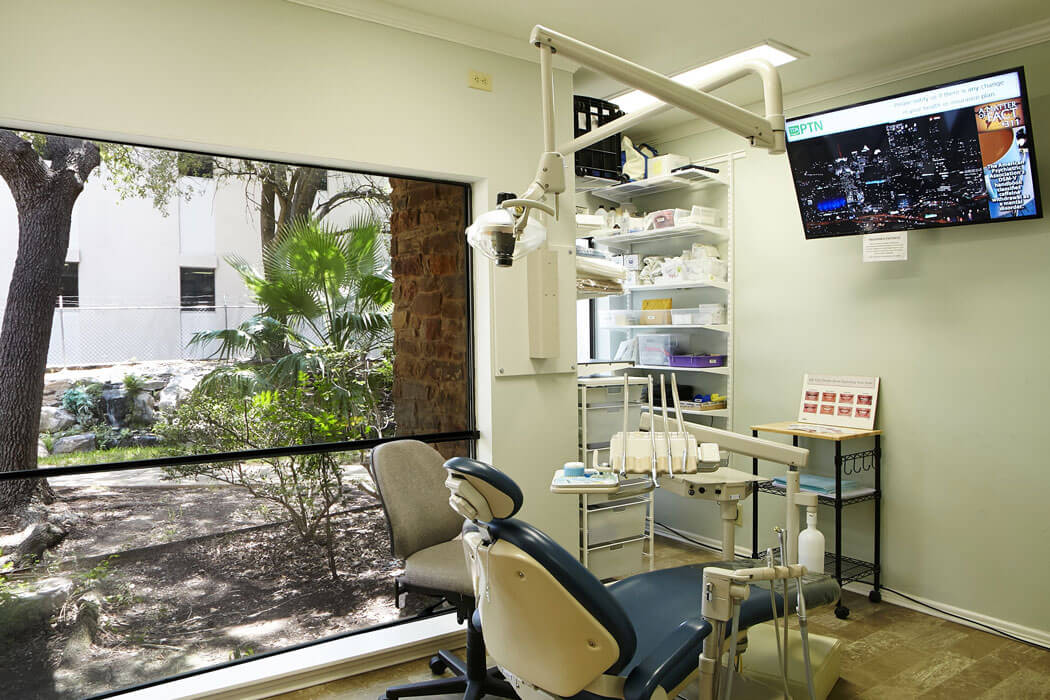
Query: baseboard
[(1035, 636), (314, 665)]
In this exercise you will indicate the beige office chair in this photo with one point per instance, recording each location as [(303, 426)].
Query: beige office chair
[(424, 532)]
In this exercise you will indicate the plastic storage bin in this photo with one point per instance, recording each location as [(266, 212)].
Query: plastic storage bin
[(617, 520), (663, 165), (684, 318), (604, 421), (616, 560), (620, 317), (657, 348), (613, 394), (603, 158), (711, 314), (696, 361)]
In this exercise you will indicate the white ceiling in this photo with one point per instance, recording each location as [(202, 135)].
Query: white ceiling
[(842, 37)]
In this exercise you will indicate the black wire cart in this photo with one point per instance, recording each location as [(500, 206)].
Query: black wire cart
[(846, 569)]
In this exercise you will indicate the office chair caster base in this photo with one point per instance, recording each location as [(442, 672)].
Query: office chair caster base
[(841, 612), (437, 665), (874, 596)]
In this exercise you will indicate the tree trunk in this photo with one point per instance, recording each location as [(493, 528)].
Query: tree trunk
[(44, 195), (267, 220)]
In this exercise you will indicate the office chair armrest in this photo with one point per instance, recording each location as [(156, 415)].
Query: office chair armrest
[(664, 664)]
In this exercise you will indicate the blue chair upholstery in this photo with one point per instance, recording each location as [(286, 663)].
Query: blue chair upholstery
[(654, 617)]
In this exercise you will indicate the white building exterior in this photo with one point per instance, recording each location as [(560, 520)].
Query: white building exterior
[(129, 257)]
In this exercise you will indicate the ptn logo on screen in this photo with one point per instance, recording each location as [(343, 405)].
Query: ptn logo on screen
[(813, 127)]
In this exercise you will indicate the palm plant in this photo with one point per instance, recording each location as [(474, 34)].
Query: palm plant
[(325, 291)]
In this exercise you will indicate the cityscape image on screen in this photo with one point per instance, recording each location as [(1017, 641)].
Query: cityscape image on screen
[(949, 155)]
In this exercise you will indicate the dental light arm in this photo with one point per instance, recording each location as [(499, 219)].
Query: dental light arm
[(507, 233)]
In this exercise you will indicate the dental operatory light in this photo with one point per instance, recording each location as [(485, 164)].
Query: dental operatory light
[(775, 53), (494, 235), (513, 230)]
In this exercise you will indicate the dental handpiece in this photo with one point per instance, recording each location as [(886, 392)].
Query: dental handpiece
[(681, 423), (667, 426), (652, 433), (623, 441)]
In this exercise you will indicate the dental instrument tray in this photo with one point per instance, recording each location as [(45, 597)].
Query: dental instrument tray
[(595, 481)]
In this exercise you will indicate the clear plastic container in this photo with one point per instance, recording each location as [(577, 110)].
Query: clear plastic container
[(657, 348), (619, 317)]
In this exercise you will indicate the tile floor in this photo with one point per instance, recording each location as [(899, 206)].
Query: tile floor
[(891, 653)]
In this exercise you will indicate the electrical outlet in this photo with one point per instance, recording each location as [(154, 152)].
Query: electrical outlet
[(480, 81)]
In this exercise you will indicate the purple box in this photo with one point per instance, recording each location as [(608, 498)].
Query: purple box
[(698, 360)]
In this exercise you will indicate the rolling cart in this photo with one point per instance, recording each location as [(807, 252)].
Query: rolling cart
[(846, 569)]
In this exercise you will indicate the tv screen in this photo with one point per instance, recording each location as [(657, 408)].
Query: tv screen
[(954, 154)]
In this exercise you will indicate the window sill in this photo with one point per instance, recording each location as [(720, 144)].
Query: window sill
[(319, 663)]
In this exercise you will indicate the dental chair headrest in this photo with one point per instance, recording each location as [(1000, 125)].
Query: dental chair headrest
[(480, 491)]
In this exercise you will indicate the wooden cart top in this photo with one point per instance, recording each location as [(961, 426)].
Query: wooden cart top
[(820, 432)]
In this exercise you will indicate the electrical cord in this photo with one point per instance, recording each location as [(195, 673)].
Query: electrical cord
[(687, 538), (966, 619)]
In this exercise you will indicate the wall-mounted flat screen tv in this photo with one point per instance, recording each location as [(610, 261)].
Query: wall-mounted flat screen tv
[(954, 154)]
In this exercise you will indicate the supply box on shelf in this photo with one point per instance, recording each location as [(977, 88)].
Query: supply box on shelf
[(656, 317), (663, 165), (657, 348), (697, 361), (603, 158)]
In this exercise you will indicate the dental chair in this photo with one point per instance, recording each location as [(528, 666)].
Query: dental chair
[(556, 632)]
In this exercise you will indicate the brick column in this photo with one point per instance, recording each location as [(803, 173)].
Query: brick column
[(427, 250)]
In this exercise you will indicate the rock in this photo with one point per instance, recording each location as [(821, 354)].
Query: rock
[(179, 388), (41, 449), (142, 408), (54, 419), (30, 610), (145, 440), (154, 384), (53, 390), (32, 541), (85, 442), (85, 627)]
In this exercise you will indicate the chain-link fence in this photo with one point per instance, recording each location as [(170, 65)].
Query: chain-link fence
[(88, 335)]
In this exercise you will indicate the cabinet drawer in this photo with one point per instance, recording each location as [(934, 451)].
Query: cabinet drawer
[(616, 560), (616, 522)]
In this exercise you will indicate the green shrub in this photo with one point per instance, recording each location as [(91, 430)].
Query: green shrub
[(84, 401), (313, 410), (133, 384)]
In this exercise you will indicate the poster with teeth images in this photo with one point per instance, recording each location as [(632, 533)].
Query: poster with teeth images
[(839, 400)]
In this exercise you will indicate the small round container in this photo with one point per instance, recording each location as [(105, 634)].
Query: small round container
[(573, 469)]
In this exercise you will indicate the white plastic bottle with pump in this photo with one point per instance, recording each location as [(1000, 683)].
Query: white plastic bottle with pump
[(811, 540)]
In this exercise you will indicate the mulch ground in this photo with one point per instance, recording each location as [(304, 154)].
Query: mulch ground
[(184, 597)]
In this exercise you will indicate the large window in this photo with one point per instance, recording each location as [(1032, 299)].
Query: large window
[(235, 513), (197, 287), (70, 290)]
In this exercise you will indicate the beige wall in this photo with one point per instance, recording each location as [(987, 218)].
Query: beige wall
[(271, 78), (959, 336)]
